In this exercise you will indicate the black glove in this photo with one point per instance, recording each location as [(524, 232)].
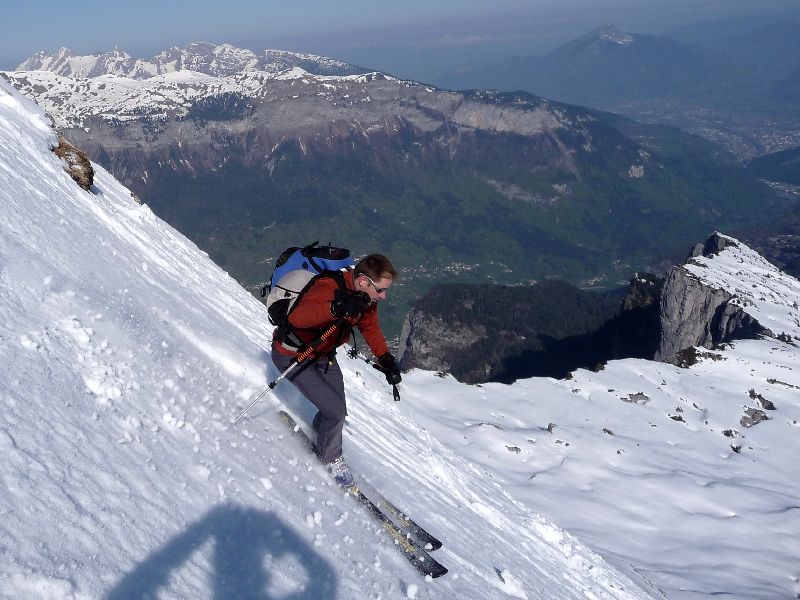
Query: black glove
[(350, 304), (388, 365)]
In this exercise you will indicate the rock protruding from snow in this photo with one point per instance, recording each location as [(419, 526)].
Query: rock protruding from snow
[(77, 164), (715, 244)]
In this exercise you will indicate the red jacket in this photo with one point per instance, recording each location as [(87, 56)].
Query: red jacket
[(312, 315)]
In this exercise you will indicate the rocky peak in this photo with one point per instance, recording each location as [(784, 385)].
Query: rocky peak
[(43, 61), (696, 314), (220, 60), (67, 64), (715, 244)]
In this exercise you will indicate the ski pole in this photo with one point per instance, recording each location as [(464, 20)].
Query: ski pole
[(299, 359)]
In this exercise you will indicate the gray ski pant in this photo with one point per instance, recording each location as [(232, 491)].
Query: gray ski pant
[(322, 383)]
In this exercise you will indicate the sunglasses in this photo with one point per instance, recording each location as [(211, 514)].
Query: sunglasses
[(379, 290)]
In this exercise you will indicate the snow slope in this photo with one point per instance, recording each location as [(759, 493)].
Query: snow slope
[(124, 355)]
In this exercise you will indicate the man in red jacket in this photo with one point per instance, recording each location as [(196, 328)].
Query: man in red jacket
[(321, 380)]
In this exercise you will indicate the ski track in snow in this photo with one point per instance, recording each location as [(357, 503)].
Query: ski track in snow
[(125, 355)]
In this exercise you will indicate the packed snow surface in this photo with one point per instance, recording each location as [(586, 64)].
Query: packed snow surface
[(126, 353)]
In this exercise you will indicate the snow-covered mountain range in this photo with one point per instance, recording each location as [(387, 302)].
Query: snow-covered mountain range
[(126, 353), (74, 102), (113, 85), (219, 60)]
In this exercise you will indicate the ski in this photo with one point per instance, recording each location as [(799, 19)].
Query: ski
[(397, 516), (412, 548), (400, 519)]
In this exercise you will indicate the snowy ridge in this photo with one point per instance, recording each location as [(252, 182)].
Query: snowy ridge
[(125, 354), (71, 101)]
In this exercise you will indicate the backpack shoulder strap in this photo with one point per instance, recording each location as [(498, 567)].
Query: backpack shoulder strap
[(337, 276), (287, 335)]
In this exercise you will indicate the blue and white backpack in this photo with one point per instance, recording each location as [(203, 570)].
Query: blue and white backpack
[(294, 272)]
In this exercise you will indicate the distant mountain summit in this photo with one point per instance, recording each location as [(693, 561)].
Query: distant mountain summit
[(734, 82), (600, 69), (220, 60), (606, 63), (609, 39)]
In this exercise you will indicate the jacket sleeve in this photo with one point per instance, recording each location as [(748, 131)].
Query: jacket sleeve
[(369, 328), (314, 309)]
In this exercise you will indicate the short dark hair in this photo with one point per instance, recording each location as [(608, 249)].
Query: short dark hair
[(375, 266)]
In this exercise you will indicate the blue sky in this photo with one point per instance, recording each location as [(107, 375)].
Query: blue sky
[(405, 37)]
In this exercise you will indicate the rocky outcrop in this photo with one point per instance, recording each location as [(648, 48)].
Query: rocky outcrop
[(432, 341), (715, 244), (482, 333), (77, 164), (644, 290), (693, 313)]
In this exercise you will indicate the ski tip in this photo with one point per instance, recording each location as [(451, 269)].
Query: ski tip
[(437, 571), (434, 545)]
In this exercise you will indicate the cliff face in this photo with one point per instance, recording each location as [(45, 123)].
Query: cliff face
[(380, 119), (694, 313), (434, 343)]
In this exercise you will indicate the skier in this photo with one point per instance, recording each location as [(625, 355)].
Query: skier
[(321, 381)]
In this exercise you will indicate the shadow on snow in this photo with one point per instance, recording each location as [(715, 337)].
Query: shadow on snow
[(255, 556)]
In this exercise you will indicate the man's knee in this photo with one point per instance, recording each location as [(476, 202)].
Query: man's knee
[(334, 412)]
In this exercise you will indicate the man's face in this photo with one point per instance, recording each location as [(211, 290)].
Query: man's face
[(376, 289)]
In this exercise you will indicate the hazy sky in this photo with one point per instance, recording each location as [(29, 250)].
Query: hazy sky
[(407, 37)]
